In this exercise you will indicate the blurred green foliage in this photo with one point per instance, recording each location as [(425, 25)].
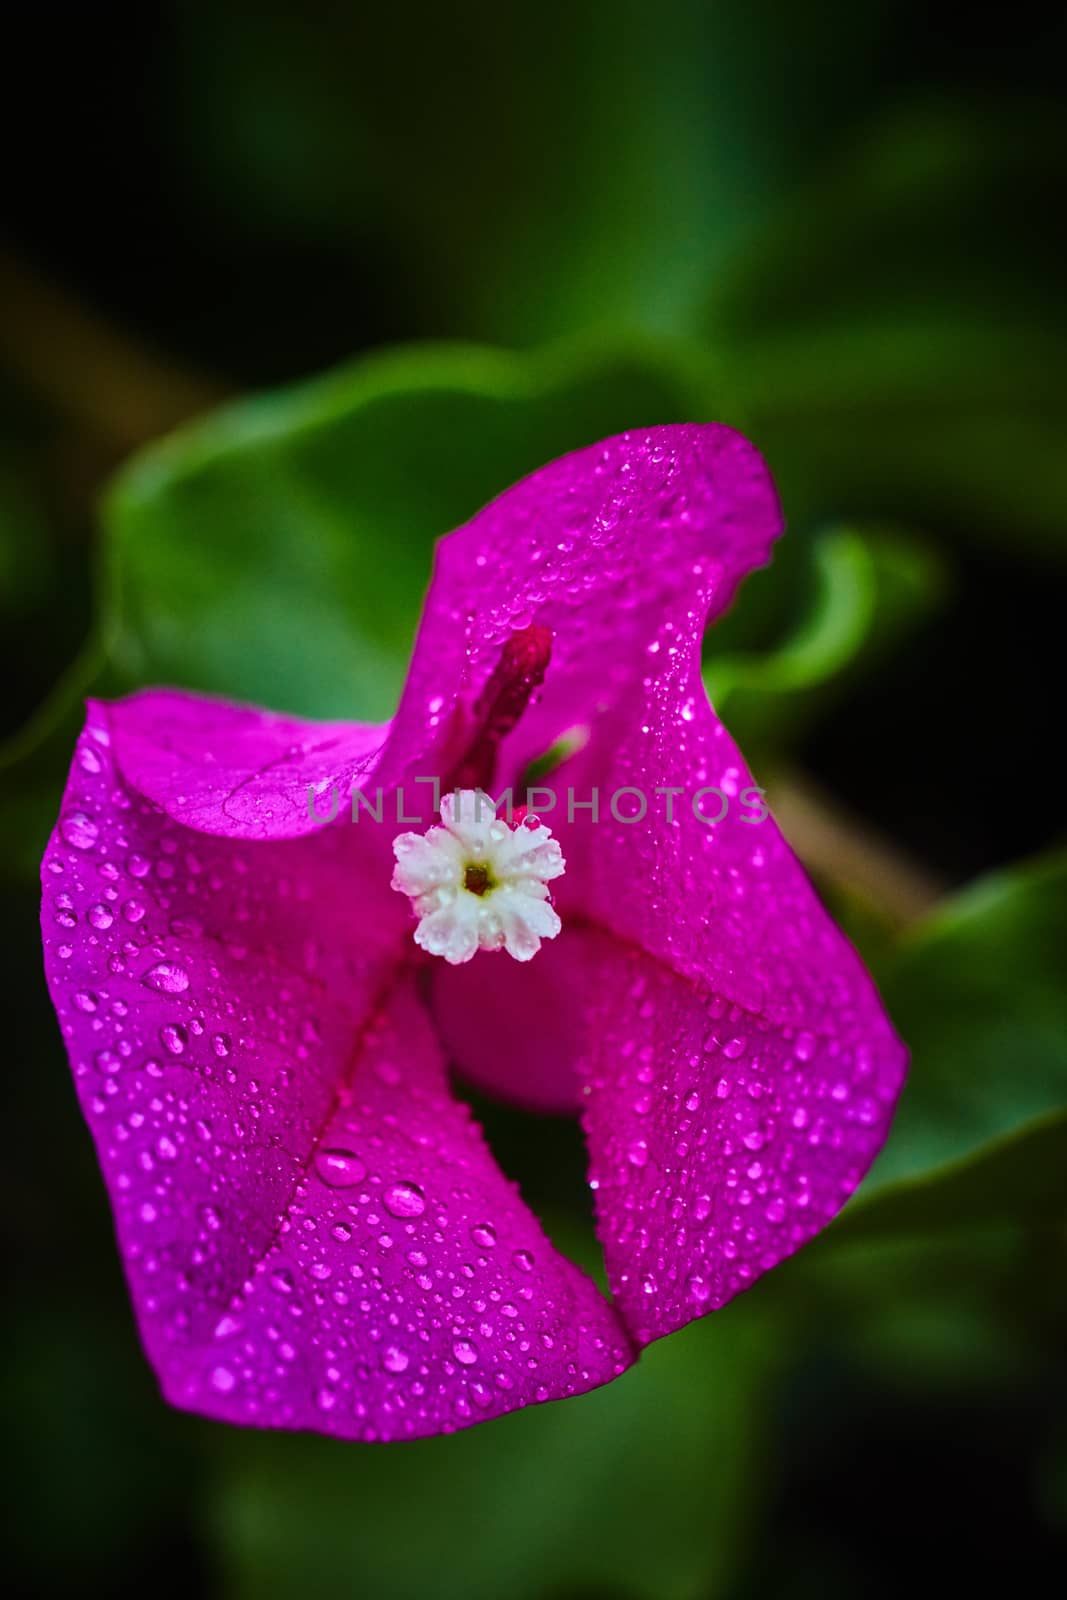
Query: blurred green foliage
[(827, 225), (614, 1495), (981, 1131)]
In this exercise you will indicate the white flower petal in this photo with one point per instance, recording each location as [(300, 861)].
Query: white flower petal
[(525, 921), (511, 913), (469, 816), (425, 860), (451, 932)]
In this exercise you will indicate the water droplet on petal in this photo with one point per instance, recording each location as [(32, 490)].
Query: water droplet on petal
[(166, 977), (465, 1351), (339, 1168), (79, 831), (404, 1200)]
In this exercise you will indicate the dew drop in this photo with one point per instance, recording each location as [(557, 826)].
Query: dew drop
[(404, 1200), (166, 977), (339, 1168), (79, 831), (65, 914)]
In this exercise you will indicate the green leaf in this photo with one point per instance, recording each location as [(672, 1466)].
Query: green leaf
[(641, 1489), (864, 590), (978, 993), (278, 550)]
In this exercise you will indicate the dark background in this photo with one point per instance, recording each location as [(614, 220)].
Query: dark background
[(858, 209)]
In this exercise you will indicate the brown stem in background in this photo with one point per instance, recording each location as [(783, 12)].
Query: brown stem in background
[(849, 853), (118, 393)]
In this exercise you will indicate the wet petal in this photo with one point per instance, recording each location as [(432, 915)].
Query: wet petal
[(209, 992), (518, 1029), (722, 1139), (625, 552), (409, 1290), (597, 548), (222, 1004), (239, 771)]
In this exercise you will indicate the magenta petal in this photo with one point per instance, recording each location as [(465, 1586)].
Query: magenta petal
[(721, 1142), (743, 1072), (209, 993), (215, 996), (715, 1155), (409, 1291), (515, 1028), (597, 547), (237, 771)]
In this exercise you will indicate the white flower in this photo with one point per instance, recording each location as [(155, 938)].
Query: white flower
[(477, 883)]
